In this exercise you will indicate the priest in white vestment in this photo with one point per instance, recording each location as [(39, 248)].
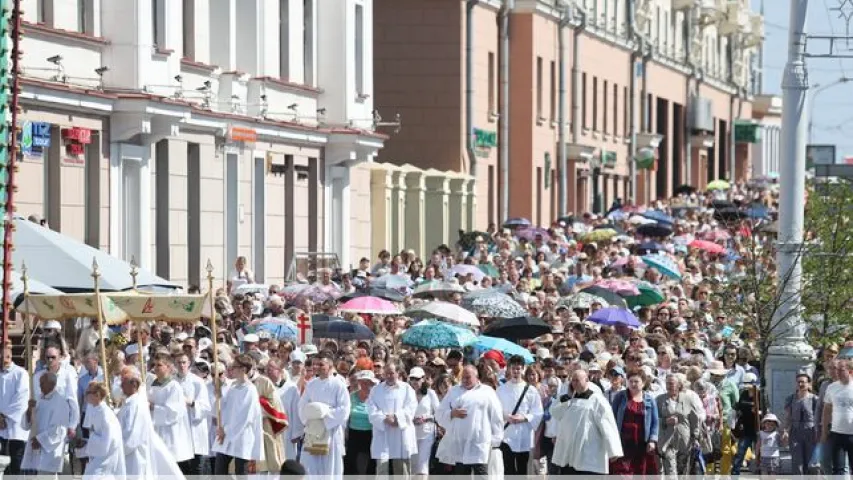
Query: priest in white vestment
[(326, 456), (473, 421), (198, 411), (240, 438), (66, 382), (104, 447), (47, 421), (169, 411), (522, 409), (14, 394), (288, 396), (146, 456), (587, 436), (391, 409)]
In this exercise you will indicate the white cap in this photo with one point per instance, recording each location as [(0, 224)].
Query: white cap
[(131, 349), (51, 325), (417, 372), (543, 353), (366, 375), (181, 336), (297, 356), (204, 343), (251, 338), (309, 349)]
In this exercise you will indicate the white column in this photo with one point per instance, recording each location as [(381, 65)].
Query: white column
[(341, 222), (249, 37), (223, 34)]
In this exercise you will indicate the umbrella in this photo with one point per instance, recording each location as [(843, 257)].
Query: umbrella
[(342, 330), (436, 288), (647, 247), (599, 235), (493, 305), (684, 190), (518, 328), (619, 287), (614, 316), (658, 216), (648, 295), (390, 295), (509, 349), (757, 212), (322, 317), (655, 230), (721, 204), (370, 305), (530, 233), (582, 300), (517, 223), (446, 311), (729, 215), (664, 265), (489, 269), (709, 247), (65, 264), (464, 269), (609, 226), (613, 299), (640, 220), (718, 185), (717, 235), (251, 289), (392, 282), (279, 328), (432, 334), (291, 291), (318, 294)]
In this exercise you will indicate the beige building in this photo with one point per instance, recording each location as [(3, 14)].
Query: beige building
[(668, 78)]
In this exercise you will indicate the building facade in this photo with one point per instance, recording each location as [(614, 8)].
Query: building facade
[(175, 132), (668, 79), (767, 153)]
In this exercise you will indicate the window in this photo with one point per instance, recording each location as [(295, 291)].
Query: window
[(615, 109), (583, 100), (45, 12), (626, 103), (284, 39), (189, 29), (308, 45), (538, 88), (86, 18), (491, 82), (553, 98), (604, 107), (594, 103), (158, 24), (359, 49)]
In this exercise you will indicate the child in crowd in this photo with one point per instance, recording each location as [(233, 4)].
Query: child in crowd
[(769, 439)]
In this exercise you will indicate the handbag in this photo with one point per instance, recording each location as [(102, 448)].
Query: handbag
[(706, 443)]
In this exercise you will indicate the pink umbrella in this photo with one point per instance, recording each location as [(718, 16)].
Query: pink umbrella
[(370, 305), (717, 235), (709, 247), (530, 233), (290, 292), (619, 287), (318, 294), (620, 262)]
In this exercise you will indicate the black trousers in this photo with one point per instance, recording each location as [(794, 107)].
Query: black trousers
[(515, 463), (480, 470), (191, 466), (567, 470), (14, 449), (223, 463), (358, 446)]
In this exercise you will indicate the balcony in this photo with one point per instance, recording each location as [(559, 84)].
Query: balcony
[(711, 11), (735, 20), (755, 31)]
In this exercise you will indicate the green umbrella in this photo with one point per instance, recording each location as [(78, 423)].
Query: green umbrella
[(489, 269), (649, 295)]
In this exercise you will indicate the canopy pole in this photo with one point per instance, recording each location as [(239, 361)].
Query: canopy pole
[(96, 276), (134, 272), (28, 329), (213, 330)]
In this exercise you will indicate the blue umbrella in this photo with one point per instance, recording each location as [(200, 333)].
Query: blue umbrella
[(655, 230), (614, 316), (279, 328), (342, 330), (658, 216), (663, 264), (484, 344), (757, 211), (651, 247), (431, 334), (517, 223)]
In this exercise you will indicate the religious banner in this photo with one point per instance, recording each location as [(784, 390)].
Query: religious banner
[(305, 329), (175, 308), (69, 306)]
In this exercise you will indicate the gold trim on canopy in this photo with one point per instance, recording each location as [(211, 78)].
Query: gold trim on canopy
[(118, 308)]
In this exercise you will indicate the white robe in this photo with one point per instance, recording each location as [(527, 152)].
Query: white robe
[(289, 398), (333, 393), (392, 441), (14, 397), (242, 422), (146, 456), (51, 416), (211, 416), (66, 385), (470, 440), (105, 445), (171, 421), (587, 435), (196, 391), (519, 436)]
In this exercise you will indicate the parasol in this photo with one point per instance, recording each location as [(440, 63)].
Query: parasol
[(445, 311), (493, 305), (431, 334), (614, 316), (370, 305), (518, 328)]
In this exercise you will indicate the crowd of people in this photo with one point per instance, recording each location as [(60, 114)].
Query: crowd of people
[(639, 369)]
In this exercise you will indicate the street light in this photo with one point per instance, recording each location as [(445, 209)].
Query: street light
[(815, 91)]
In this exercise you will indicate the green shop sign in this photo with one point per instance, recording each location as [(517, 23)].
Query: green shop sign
[(608, 159), (747, 131), (484, 142)]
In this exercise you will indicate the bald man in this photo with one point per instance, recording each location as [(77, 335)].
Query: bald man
[(587, 435), (473, 419)]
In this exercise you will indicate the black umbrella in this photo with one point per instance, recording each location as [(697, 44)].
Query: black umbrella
[(654, 230), (722, 204), (729, 215), (518, 328), (322, 317), (684, 190), (612, 298), (342, 330), (390, 295)]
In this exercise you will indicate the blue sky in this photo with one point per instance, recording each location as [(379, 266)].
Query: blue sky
[(833, 107)]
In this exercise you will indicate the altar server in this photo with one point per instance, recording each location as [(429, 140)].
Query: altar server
[(169, 411), (324, 410), (240, 436), (104, 447), (391, 410), (47, 420)]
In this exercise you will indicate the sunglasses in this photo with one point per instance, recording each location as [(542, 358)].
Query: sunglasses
[(50, 358)]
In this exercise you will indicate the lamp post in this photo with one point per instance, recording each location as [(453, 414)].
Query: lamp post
[(816, 90)]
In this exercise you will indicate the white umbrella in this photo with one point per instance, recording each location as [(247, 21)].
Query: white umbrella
[(445, 311)]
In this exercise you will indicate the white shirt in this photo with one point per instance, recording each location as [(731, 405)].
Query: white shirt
[(392, 441), (519, 436), (51, 416), (171, 421), (105, 447), (427, 406), (14, 396), (841, 398), (241, 420), (196, 391), (769, 443)]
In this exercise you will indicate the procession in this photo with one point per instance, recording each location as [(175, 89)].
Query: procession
[(600, 344)]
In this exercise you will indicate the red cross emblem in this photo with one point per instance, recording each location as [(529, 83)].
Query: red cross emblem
[(304, 326)]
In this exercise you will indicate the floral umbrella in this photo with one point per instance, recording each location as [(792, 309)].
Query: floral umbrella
[(582, 301), (663, 264), (493, 305), (437, 288), (485, 343), (318, 294), (431, 334), (445, 311), (370, 305), (599, 235), (620, 287), (464, 269), (291, 291)]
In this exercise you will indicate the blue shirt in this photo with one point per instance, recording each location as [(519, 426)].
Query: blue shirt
[(83, 382), (358, 418)]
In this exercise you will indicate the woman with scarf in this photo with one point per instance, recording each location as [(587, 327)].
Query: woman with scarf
[(275, 421)]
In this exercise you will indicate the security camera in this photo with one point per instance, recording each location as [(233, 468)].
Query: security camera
[(321, 111), (179, 79), (56, 59), (264, 98), (292, 106), (100, 71)]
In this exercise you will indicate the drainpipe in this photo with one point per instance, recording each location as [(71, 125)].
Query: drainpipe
[(640, 52), (508, 6), (687, 131), (732, 145), (577, 94), (562, 157), (469, 88)]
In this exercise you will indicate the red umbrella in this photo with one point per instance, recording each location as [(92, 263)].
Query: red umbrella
[(709, 247)]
